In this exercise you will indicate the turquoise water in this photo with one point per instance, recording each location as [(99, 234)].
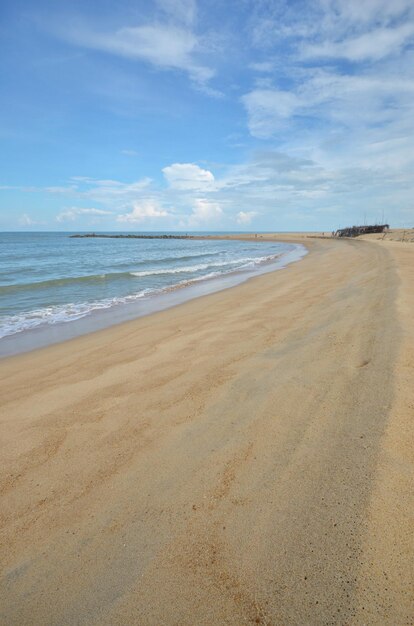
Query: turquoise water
[(49, 278)]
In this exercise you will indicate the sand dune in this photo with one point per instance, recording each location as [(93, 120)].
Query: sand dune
[(244, 458)]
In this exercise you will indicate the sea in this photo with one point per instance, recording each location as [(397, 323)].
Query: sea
[(54, 287)]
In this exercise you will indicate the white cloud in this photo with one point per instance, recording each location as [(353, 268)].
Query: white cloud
[(373, 45), (363, 13), (73, 212), (205, 212), (188, 176), (268, 109), (183, 11), (245, 217), (165, 46), (142, 211), (271, 179), (354, 101)]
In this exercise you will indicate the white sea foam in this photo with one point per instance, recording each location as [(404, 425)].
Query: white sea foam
[(192, 269), (59, 313)]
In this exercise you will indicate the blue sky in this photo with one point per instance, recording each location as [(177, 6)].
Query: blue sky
[(208, 115)]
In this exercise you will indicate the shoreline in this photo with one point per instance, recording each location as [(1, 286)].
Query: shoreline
[(246, 457), (100, 319)]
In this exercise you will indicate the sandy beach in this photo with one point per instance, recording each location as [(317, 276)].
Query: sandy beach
[(243, 458)]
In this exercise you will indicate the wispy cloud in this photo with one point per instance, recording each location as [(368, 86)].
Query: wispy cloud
[(111, 193), (268, 109), (163, 45), (373, 45), (130, 153), (330, 97), (181, 11), (74, 212), (27, 221)]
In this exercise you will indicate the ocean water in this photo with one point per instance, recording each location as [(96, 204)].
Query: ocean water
[(50, 279)]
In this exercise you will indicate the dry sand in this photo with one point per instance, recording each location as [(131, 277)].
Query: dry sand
[(243, 458)]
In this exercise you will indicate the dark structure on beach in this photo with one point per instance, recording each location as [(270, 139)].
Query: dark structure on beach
[(355, 231)]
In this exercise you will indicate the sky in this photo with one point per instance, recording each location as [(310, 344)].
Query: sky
[(252, 115)]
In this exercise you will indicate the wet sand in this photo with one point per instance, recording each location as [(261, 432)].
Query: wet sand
[(243, 458)]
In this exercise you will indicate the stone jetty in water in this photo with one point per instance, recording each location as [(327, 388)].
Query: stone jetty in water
[(128, 236)]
